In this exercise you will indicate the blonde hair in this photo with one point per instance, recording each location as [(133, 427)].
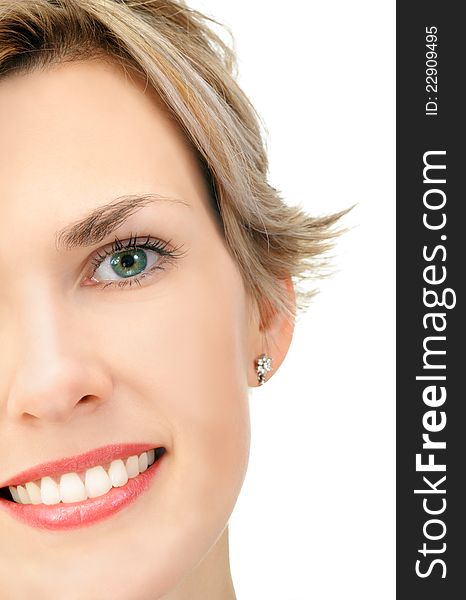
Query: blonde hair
[(193, 71)]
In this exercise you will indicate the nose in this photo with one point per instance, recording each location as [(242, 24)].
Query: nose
[(57, 373)]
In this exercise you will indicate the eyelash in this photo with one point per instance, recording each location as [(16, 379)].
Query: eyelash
[(160, 247)]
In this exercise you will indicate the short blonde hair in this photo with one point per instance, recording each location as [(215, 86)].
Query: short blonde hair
[(193, 71)]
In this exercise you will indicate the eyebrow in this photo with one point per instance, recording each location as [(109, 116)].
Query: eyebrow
[(100, 223)]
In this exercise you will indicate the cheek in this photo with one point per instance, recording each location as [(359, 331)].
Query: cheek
[(207, 392)]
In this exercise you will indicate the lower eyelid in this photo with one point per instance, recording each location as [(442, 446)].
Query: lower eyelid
[(130, 281)]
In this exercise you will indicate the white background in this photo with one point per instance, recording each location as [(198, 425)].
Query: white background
[(316, 516)]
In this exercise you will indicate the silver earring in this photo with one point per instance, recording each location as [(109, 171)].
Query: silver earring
[(263, 365)]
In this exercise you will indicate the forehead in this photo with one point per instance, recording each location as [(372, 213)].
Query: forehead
[(81, 132)]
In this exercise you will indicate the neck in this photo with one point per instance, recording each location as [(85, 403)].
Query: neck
[(211, 579)]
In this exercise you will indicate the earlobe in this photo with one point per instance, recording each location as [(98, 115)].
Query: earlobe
[(274, 339)]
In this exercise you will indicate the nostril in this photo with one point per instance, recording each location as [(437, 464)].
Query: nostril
[(88, 399)]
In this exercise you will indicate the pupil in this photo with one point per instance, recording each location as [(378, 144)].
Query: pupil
[(127, 261)]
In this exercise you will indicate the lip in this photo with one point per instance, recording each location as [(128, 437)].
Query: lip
[(87, 512), (80, 462)]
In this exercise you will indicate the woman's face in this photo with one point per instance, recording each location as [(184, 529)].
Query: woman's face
[(92, 354)]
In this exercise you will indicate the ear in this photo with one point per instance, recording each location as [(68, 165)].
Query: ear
[(274, 332)]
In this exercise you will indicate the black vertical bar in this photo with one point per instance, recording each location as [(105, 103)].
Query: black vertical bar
[(431, 217)]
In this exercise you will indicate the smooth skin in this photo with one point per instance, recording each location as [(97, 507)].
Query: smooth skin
[(169, 361)]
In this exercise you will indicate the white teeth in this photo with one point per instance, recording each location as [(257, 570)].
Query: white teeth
[(49, 491), (97, 482), (72, 488), (34, 492), (142, 462), (150, 456), (23, 495), (76, 487), (132, 466), (14, 493), (118, 473)]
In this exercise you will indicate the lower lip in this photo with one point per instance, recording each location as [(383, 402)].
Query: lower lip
[(82, 514)]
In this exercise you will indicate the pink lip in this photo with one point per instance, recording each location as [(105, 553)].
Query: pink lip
[(80, 462), (81, 514)]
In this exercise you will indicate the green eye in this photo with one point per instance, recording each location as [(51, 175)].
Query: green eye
[(128, 265), (129, 262)]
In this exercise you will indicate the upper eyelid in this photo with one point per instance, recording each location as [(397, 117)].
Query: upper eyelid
[(136, 240), (119, 244), (111, 247)]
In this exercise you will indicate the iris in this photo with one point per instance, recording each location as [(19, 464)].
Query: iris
[(129, 263)]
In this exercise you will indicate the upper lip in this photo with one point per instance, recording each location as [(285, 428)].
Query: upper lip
[(79, 462)]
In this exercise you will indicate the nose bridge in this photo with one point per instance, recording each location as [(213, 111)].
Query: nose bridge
[(52, 368), (39, 318)]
